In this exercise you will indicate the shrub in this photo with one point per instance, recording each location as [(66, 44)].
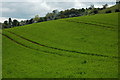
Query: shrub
[(108, 11), (117, 10), (95, 11)]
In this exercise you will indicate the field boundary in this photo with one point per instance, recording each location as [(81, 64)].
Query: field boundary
[(60, 48)]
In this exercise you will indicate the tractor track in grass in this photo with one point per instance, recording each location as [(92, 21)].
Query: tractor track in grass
[(31, 47), (91, 24), (104, 23), (54, 48)]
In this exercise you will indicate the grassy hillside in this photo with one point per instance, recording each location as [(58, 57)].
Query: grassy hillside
[(0, 54), (80, 47), (112, 9)]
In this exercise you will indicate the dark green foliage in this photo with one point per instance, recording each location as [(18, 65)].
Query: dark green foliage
[(27, 21), (91, 7), (15, 23), (84, 62), (100, 8), (72, 13), (108, 11), (10, 22), (95, 11), (105, 6), (31, 21), (42, 19), (117, 2), (117, 10), (55, 14), (36, 18), (5, 24), (82, 10)]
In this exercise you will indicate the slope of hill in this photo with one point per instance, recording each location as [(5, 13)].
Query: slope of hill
[(0, 54), (112, 9), (80, 47)]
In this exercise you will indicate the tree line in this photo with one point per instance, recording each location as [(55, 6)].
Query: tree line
[(55, 14)]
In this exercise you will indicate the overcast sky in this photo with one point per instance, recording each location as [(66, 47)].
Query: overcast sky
[(26, 10)]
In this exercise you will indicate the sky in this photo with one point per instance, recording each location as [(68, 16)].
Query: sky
[(26, 9)]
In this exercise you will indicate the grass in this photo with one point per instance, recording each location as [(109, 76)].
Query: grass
[(0, 55), (80, 47)]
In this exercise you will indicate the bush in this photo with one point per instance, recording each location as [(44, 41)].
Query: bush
[(108, 11), (95, 11), (117, 10)]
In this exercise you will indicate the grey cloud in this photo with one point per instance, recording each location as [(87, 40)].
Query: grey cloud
[(27, 10)]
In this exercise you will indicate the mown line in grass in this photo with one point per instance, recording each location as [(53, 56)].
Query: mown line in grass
[(60, 48), (90, 24)]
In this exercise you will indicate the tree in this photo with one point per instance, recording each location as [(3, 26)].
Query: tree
[(105, 6), (5, 24), (95, 11), (50, 16), (31, 21), (10, 22), (82, 10), (55, 11), (36, 19), (109, 11), (117, 10), (117, 2), (55, 14), (27, 22), (44, 18), (15, 22), (22, 23), (91, 7)]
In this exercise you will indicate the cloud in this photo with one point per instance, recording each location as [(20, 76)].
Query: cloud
[(7, 10), (2, 19), (59, 0), (27, 9), (88, 4)]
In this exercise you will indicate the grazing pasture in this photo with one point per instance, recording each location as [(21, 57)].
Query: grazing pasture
[(79, 47)]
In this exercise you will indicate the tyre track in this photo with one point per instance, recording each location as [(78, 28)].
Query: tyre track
[(72, 51), (31, 47), (104, 23), (91, 24)]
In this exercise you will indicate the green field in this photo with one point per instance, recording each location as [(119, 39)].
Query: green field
[(79, 47), (0, 54)]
